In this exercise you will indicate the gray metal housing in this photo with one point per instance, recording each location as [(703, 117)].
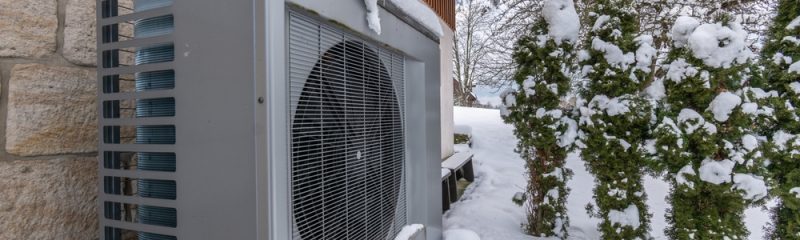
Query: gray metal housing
[(231, 120)]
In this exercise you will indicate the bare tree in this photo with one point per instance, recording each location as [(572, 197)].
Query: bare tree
[(470, 42), (487, 32), (485, 36)]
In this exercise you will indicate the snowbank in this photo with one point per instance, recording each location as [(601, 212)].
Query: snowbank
[(487, 209), (462, 129), (460, 234)]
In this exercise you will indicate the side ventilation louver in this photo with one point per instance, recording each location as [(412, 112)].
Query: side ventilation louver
[(138, 111), (346, 135)]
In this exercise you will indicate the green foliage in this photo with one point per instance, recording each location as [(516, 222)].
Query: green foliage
[(460, 138), (539, 123), (783, 149), (519, 200), (616, 120), (785, 175), (688, 136)]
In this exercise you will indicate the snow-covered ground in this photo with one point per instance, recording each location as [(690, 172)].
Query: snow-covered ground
[(486, 207)]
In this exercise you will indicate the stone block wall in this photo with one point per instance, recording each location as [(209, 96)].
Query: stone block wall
[(48, 120)]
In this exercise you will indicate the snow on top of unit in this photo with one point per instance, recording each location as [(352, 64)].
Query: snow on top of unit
[(627, 217), (684, 26), (718, 45), (421, 13), (415, 9), (753, 186), (645, 52), (716, 172), (795, 191), (680, 177), (795, 67), (601, 20), (693, 121), (373, 20), (460, 234), (793, 24), (562, 19), (445, 172), (613, 54), (680, 69), (409, 231), (749, 142), (723, 105)]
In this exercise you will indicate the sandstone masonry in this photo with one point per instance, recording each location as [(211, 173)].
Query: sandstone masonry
[(48, 120)]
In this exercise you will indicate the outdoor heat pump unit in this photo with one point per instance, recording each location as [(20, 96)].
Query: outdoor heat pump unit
[(265, 119)]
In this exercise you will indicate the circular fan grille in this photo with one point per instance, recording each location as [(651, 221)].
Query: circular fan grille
[(347, 147)]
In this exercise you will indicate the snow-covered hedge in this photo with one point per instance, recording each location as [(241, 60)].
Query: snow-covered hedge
[(615, 117), (546, 132)]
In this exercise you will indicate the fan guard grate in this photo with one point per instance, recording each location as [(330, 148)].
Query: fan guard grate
[(347, 135)]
